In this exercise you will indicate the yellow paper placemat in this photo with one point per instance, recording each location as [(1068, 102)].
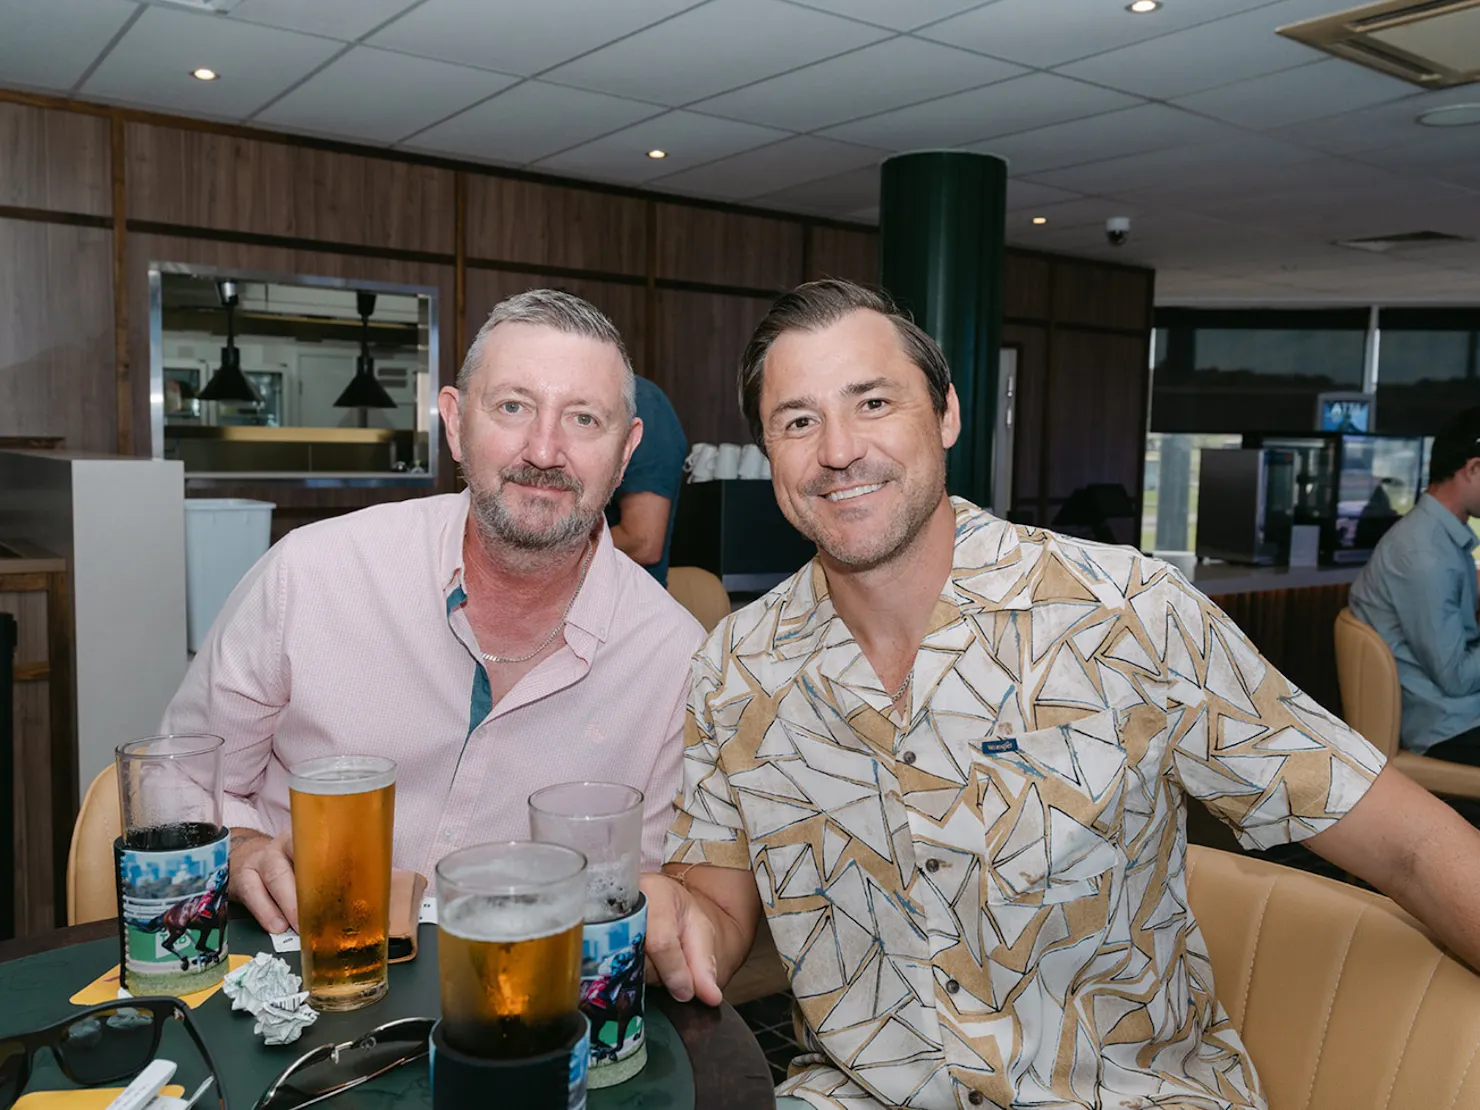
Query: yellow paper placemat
[(92, 1098), (105, 989)]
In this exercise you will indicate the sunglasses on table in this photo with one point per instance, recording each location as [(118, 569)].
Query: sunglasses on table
[(105, 1044), (332, 1068)]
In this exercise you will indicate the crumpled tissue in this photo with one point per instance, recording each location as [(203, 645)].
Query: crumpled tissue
[(268, 990), (283, 1020)]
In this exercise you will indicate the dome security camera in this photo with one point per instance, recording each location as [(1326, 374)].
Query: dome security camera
[(1118, 230)]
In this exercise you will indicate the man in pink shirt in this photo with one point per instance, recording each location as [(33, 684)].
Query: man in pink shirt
[(490, 642)]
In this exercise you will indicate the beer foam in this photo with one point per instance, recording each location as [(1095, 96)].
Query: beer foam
[(611, 891), (508, 918), (342, 774)]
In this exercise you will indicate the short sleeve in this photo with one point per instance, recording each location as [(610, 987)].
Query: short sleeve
[(1262, 755), (657, 464), (707, 827)]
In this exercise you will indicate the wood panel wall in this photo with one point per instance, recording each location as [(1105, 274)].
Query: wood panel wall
[(93, 195)]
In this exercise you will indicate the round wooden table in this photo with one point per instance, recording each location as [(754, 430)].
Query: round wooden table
[(725, 1068)]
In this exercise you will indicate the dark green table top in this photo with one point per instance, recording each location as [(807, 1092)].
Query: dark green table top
[(698, 1058)]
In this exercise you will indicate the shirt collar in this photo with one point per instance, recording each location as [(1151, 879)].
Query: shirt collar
[(595, 605), (1459, 533)]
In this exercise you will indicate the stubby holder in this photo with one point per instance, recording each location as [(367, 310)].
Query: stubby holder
[(555, 1080), (613, 990)]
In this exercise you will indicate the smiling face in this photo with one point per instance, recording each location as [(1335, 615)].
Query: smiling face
[(542, 433), (857, 449)]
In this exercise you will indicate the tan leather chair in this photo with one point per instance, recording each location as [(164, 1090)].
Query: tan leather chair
[(1344, 1001), (1372, 703), (92, 894), (701, 593)]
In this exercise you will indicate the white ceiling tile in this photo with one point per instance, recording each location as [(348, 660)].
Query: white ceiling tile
[(1218, 53), (878, 78), (1037, 100), (718, 46), (1073, 213), (346, 20), (49, 44), (1035, 33), (1375, 127), (513, 36), (1029, 194), (1436, 153), (531, 121), (363, 95), (1194, 166), (866, 215), (769, 169), (151, 64), (839, 195), (1308, 92), (689, 138), (891, 13), (1129, 131)]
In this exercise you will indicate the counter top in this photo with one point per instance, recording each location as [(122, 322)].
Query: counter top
[(1214, 579)]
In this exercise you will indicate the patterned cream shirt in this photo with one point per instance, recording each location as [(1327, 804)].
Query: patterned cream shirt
[(986, 903)]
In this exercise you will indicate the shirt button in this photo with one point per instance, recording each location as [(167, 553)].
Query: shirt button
[(909, 757), (976, 1098), (952, 986), (447, 835), (932, 865)]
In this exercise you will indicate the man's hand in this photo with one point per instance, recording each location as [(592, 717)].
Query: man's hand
[(262, 879), (681, 941), (699, 930)]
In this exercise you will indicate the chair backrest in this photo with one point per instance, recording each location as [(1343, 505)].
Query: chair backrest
[(1344, 1001), (92, 893), (1371, 696), (701, 593)]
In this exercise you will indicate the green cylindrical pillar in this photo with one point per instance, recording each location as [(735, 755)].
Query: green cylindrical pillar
[(940, 257)]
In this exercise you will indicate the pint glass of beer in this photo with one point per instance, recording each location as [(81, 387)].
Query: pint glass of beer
[(343, 815), (509, 947), (602, 821), (172, 865)]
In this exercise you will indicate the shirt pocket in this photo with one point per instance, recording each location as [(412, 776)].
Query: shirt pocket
[(1052, 804)]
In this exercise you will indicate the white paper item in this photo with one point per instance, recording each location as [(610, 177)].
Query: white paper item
[(286, 941), (283, 1020), (257, 982)]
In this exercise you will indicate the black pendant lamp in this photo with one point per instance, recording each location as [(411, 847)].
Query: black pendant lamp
[(229, 383), (364, 390)]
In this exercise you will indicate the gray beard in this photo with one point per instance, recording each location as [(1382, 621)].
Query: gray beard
[(495, 522)]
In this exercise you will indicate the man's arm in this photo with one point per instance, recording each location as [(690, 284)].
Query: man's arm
[(1426, 599), (701, 925), (236, 688), (1419, 852), (641, 532)]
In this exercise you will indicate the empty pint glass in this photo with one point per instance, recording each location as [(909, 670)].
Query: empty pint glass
[(344, 809), (509, 948), (603, 821), (172, 864)]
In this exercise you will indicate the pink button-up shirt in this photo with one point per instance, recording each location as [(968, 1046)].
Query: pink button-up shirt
[(349, 636)]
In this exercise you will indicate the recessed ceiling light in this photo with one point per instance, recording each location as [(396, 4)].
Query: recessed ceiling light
[(657, 154), (1141, 7), (1040, 219), (1456, 115), (204, 74)]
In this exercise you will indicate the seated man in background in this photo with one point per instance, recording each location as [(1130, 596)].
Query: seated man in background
[(949, 760), (490, 642), (642, 510), (1419, 593)]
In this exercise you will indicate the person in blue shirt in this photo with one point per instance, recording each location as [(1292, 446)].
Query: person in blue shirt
[(641, 511), (1419, 593)]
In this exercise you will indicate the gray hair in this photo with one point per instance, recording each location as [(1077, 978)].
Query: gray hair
[(820, 304), (562, 311)]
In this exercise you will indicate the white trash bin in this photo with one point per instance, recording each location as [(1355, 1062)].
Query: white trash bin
[(224, 536)]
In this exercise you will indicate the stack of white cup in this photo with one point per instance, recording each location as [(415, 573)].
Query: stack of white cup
[(708, 462)]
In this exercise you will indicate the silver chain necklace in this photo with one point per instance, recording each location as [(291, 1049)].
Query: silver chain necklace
[(903, 686), (585, 565)]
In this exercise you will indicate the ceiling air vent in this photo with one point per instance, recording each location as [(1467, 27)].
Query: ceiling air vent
[(1381, 243), (1433, 43)]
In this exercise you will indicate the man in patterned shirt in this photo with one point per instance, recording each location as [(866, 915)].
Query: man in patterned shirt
[(948, 759)]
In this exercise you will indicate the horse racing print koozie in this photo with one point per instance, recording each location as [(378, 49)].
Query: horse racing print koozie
[(613, 973), (171, 865), (172, 915)]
